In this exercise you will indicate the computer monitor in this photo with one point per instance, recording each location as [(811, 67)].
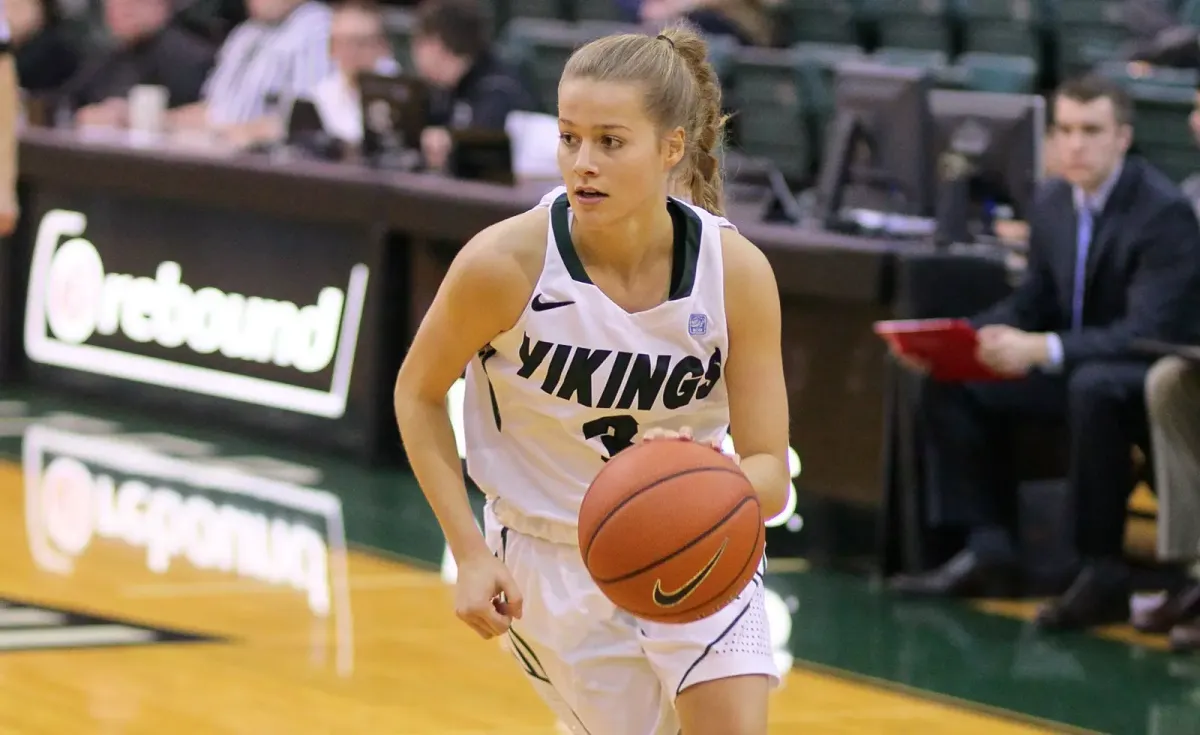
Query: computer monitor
[(306, 133), (394, 112), (877, 155), (992, 144), (481, 155)]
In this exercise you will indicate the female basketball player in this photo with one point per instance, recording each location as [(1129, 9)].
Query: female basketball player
[(610, 313)]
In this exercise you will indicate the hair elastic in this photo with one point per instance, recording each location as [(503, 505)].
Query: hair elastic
[(661, 37)]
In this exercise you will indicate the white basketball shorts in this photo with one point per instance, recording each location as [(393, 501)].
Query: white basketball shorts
[(603, 671)]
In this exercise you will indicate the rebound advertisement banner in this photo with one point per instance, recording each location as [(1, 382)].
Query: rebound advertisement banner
[(260, 318)]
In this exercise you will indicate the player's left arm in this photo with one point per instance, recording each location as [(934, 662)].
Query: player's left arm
[(758, 400)]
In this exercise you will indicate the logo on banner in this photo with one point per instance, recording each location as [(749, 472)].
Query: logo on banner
[(73, 298)]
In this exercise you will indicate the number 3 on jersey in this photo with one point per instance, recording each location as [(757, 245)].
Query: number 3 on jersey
[(616, 433)]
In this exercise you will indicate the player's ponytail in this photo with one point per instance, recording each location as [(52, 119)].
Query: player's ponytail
[(706, 129), (682, 90)]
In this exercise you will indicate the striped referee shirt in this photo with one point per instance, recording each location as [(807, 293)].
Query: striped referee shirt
[(263, 67)]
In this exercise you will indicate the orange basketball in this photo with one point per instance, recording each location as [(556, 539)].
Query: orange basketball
[(671, 530)]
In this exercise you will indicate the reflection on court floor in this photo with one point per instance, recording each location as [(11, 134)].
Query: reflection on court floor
[(154, 582)]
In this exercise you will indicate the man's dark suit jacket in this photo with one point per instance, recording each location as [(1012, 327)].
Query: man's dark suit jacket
[(1143, 270), (176, 59)]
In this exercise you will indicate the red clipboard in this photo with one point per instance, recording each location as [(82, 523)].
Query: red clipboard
[(946, 345)]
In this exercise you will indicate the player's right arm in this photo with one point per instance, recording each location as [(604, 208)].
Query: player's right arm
[(483, 294)]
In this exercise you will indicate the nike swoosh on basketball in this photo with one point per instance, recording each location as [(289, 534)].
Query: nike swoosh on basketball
[(540, 305), (671, 599)]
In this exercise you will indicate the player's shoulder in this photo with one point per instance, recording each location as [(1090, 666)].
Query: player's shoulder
[(507, 256), (744, 263)]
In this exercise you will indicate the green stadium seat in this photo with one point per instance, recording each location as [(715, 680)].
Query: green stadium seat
[(541, 48), (916, 24), (820, 21), (1150, 76), (984, 72), (818, 68), (1087, 32), (1189, 12), (915, 58), (399, 26), (604, 10), (1162, 102), (773, 120), (1009, 27), (510, 10)]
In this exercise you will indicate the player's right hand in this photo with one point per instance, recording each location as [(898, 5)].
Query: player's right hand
[(486, 596)]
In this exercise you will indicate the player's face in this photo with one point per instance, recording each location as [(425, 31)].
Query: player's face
[(613, 157)]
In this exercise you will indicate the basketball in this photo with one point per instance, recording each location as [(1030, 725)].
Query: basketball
[(671, 530)]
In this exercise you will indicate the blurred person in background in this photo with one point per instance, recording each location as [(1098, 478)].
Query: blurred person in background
[(747, 20), (150, 50), (280, 53), (471, 87), (1114, 257), (8, 129), (1173, 403), (45, 56), (358, 43), (1191, 185)]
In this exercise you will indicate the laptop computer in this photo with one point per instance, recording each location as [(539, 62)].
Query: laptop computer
[(394, 110)]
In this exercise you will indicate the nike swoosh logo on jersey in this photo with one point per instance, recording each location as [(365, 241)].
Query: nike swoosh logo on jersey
[(540, 305), (671, 599)]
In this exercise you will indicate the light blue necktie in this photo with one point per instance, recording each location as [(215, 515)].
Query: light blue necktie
[(1083, 242)]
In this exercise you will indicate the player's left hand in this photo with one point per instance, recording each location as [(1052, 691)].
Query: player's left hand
[(684, 434)]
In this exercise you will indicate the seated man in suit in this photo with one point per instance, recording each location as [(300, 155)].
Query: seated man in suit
[(1114, 257)]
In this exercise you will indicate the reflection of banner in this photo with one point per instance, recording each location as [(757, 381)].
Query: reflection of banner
[(165, 302), (211, 515)]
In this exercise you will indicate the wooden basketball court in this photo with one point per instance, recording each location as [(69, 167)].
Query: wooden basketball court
[(254, 624)]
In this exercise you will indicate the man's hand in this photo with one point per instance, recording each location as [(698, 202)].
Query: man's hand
[(267, 129), (111, 113), (435, 146), (9, 211), (188, 117), (1009, 351)]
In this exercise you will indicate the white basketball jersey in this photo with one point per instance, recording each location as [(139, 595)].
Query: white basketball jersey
[(578, 378)]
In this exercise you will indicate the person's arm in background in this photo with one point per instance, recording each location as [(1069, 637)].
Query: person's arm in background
[(310, 66), (499, 95), (1163, 299), (9, 115), (1030, 305)]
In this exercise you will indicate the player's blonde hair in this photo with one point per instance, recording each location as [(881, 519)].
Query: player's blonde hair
[(682, 90)]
